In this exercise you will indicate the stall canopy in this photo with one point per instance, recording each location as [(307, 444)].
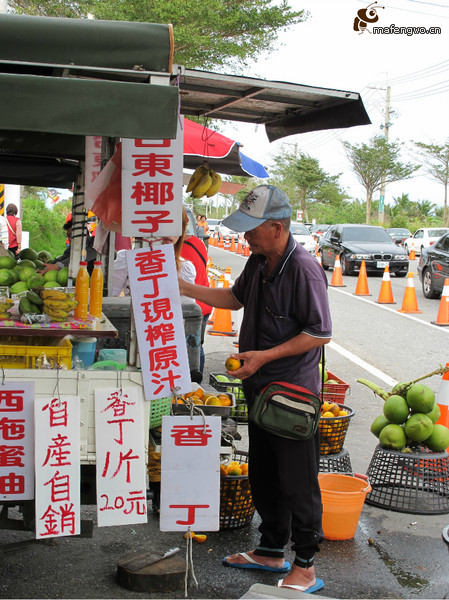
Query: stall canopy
[(63, 79)]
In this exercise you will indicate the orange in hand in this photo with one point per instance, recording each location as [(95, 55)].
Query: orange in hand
[(232, 364)]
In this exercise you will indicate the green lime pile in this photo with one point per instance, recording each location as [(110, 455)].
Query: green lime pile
[(409, 419)]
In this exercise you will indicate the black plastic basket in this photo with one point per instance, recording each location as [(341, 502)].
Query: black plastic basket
[(234, 386), (333, 431), (336, 463), (416, 482), (236, 502)]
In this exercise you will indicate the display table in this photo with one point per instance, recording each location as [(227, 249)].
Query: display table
[(99, 328)]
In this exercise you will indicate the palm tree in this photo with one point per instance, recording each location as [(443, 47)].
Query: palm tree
[(426, 209)]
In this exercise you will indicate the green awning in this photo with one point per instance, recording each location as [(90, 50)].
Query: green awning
[(86, 42), (87, 107)]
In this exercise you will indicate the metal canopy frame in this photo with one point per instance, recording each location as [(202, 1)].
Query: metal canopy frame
[(284, 108)]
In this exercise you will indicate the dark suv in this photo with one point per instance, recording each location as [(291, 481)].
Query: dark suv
[(355, 243)]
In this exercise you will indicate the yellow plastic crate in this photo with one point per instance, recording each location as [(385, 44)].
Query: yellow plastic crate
[(17, 354)]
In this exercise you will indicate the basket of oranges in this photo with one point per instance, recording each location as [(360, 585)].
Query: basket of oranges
[(333, 425), (211, 403), (236, 502)]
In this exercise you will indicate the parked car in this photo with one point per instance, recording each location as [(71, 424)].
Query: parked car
[(433, 267), (223, 230), (355, 243), (302, 235), (424, 237), (213, 224), (318, 230), (399, 235)]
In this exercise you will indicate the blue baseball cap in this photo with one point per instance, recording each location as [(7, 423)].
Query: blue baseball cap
[(262, 203)]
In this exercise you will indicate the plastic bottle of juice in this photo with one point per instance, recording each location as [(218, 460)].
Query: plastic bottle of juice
[(96, 290), (82, 292)]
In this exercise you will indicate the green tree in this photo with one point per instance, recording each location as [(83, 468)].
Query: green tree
[(426, 209), (45, 224), (304, 181), (370, 162), (436, 163), (207, 34)]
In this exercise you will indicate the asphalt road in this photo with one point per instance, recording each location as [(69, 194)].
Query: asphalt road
[(392, 555)]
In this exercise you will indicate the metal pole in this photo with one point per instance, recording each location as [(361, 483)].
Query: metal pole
[(381, 213)]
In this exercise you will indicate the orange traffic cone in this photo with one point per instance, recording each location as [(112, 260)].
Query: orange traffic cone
[(442, 400), (409, 302), (246, 251), (337, 279), (361, 288), (411, 255), (240, 246), (220, 241), (318, 257), (386, 291), (227, 274), (443, 311), (232, 248), (212, 282), (227, 243), (222, 320), (221, 280)]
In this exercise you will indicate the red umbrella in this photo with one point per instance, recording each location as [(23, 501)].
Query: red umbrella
[(222, 154)]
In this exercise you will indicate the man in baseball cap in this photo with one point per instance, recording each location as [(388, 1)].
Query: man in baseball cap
[(286, 321), (260, 204)]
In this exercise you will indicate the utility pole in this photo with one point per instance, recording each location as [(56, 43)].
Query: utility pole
[(381, 214)]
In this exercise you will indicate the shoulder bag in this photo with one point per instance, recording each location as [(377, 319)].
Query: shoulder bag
[(288, 410)]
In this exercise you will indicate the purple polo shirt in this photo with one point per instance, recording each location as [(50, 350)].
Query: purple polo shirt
[(293, 299)]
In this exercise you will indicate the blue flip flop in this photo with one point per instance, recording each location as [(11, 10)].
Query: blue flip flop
[(300, 588), (252, 564)]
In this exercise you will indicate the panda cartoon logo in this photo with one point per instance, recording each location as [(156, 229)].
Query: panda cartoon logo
[(366, 16)]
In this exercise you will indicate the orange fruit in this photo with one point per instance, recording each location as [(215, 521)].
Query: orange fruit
[(223, 471), (224, 400), (334, 409), (232, 364), (180, 401), (200, 538), (199, 392), (326, 406), (328, 414), (234, 471), (212, 401), (343, 413), (189, 534), (195, 399), (244, 468)]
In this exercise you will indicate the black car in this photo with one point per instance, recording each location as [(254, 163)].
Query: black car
[(399, 235), (355, 243), (433, 267)]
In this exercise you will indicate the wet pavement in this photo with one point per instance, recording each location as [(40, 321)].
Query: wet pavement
[(392, 555)]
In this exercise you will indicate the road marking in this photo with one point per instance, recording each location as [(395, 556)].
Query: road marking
[(361, 363), (392, 310)]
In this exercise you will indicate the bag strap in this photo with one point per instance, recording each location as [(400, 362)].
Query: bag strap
[(322, 374), (186, 242), (9, 225)]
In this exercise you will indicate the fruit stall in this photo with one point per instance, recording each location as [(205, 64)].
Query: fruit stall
[(55, 98)]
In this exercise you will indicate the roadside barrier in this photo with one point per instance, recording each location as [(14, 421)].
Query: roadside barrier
[(443, 311), (337, 279), (362, 288), (386, 291), (409, 302)]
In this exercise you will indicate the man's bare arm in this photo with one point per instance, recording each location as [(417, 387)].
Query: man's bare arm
[(218, 297)]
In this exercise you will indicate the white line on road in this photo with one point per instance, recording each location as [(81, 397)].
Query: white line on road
[(364, 365)]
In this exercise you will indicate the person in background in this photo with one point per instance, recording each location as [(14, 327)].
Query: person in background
[(286, 321), (63, 261), (4, 237), (194, 250), (14, 225)]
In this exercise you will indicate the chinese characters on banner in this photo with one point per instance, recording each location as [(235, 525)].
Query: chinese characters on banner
[(17, 441), (57, 449), (152, 186), (190, 446), (121, 459), (159, 325), (93, 160)]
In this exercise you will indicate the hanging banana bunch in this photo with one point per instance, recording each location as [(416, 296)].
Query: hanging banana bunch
[(204, 182)]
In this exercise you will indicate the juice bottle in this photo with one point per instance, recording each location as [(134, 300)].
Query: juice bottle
[(96, 290), (82, 292)]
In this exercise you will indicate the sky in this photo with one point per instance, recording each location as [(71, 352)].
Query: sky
[(326, 51)]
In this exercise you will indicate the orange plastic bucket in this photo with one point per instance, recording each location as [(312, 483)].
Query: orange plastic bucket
[(343, 497)]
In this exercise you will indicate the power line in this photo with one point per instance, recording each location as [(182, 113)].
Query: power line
[(413, 74)]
